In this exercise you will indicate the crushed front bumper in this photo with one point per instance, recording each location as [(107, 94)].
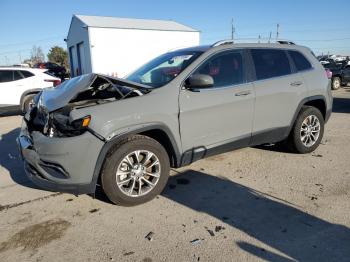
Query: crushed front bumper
[(60, 164)]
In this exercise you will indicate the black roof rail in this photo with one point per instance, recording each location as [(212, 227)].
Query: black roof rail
[(231, 41), (223, 42), (285, 42)]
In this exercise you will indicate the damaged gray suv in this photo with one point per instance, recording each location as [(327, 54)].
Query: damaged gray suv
[(125, 134)]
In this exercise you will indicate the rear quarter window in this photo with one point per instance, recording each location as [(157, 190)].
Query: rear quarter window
[(270, 63), (300, 61), (17, 75), (26, 73)]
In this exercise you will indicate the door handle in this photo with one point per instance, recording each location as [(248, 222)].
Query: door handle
[(243, 93), (296, 83)]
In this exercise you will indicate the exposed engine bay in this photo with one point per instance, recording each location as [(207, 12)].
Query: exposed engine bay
[(98, 89)]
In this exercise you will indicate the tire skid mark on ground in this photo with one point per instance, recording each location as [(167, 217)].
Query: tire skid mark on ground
[(6, 207)]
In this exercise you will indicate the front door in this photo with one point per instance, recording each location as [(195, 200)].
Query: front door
[(222, 114)]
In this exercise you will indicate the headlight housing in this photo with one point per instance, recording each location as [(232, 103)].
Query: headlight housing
[(62, 126)]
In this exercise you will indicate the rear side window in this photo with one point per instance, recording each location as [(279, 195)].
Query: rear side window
[(226, 69), (26, 73), (270, 63), (300, 62), (6, 76), (17, 75)]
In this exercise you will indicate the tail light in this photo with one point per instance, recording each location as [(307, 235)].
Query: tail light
[(328, 73), (55, 82)]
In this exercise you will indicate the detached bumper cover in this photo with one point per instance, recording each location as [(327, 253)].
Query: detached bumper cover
[(60, 164)]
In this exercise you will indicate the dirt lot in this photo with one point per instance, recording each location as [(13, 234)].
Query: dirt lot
[(249, 205)]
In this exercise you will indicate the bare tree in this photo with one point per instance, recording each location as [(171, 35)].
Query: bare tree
[(37, 55)]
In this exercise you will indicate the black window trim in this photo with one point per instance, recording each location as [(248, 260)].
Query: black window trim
[(246, 70)]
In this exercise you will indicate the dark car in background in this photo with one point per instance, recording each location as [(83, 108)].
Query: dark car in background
[(340, 74), (54, 69)]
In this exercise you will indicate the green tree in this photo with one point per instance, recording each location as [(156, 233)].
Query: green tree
[(58, 55)]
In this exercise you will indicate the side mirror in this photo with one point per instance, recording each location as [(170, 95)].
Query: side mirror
[(199, 81)]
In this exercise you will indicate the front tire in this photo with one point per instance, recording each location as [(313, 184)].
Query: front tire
[(26, 104), (135, 171), (307, 131), (336, 83)]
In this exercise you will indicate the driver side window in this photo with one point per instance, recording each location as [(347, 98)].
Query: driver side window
[(226, 69)]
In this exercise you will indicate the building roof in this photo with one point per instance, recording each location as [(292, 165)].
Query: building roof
[(129, 23)]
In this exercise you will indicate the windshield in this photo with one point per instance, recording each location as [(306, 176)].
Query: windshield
[(164, 68)]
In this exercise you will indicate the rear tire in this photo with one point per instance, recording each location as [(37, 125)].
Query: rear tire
[(127, 169), (307, 131), (336, 83)]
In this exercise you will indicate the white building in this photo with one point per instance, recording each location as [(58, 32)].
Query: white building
[(117, 46)]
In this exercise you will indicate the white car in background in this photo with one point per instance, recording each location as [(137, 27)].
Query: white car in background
[(19, 85)]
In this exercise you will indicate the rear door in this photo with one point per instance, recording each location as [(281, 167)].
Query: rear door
[(278, 91), (211, 117)]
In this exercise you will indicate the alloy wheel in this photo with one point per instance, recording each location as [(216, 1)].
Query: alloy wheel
[(310, 130), (336, 84), (138, 173)]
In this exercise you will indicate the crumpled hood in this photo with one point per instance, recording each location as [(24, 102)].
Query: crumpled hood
[(56, 98)]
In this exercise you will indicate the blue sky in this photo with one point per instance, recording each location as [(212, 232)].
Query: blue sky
[(322, 25)]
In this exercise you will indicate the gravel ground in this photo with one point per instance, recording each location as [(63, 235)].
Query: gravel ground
[(248, 205)]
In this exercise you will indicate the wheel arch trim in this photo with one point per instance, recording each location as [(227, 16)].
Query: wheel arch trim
[(301, 104), (113, 140)]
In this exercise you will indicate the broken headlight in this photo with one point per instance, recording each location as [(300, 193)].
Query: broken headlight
[(63, 127)]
